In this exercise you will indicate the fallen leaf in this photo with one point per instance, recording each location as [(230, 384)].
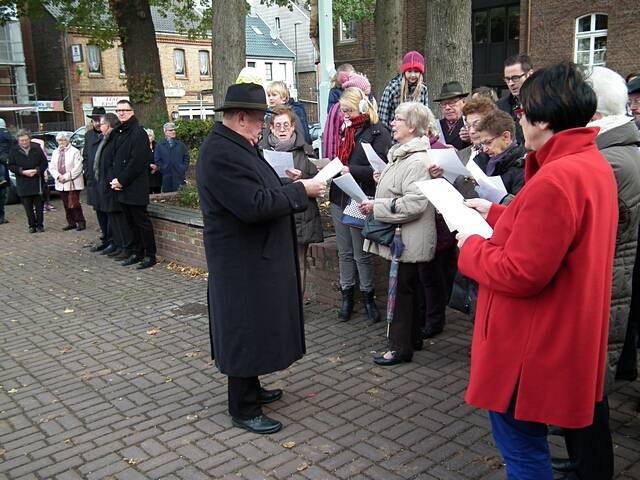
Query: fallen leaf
[(2, 451), (21, 264), (168, 379), (302, 466), (192, 354), (68, 310), (289, 444), (152, 331), (68, 441), (13, 390), (132, 461), (334, 359), (65, 349), (191, 418), (311, 394), (373, 391)]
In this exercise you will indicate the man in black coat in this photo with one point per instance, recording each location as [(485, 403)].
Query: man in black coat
[(92, 138), (517, 69), (451, 100), (255, 307), (131, 159)]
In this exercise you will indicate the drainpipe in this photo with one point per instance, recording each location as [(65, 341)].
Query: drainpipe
[(327, 67), (65, 58)]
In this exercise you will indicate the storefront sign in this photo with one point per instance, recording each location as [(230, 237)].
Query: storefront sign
[(174, 92), (107, 101), (50, 105), (76, 53)]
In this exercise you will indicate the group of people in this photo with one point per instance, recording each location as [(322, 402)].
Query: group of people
[(119, 166), (550, 291)]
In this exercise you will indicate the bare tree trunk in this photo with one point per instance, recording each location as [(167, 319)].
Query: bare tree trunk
[(227, 45), (141, 60), (314, 34), (448, 46), (389, 24)]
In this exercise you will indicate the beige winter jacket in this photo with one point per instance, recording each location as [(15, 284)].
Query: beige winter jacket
[(73, 169), (408, 163)]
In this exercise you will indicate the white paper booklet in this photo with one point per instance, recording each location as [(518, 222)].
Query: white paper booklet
[(450, 203), (279, 161), (448, 160), (349, 186), (374, 160), (489, 188), (331, 170)]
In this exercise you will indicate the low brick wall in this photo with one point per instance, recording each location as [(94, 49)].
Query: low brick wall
[(178, 234)]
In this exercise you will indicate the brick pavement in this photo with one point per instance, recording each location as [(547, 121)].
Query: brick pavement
[(106, 375)]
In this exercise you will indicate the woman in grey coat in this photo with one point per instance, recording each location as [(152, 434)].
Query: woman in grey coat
[(285, 136)]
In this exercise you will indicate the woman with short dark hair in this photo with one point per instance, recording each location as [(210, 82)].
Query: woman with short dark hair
[(540, 335)]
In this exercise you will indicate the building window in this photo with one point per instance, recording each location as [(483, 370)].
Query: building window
[(251, 64), (278, 23), (204, 63), (347, 31), (121, 66), (268, 66), (283, 69), (178, 61), (591, 40), (94, 60)]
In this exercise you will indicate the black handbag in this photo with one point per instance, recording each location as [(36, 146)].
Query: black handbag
[(379, 232)]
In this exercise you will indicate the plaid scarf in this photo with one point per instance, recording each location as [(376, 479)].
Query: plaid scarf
[(62, 169), (349, 139)]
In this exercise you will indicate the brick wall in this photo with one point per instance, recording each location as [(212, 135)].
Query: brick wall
[(308, 95), (553, 24), (179, 242)]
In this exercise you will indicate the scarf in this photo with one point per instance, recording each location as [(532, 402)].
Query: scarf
[(493, 161), (98, 157), (451, 125), (281, 145), (62, 169), (349, 138)]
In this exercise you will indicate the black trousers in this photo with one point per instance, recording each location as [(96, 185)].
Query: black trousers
[(119, 230), (627, 364), (243, 397), (436, 279), (591, 448), (33, 205), (103, 221), (404, 330), (144, 241)]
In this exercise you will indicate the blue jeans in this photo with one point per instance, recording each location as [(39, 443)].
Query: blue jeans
[(523, 446)]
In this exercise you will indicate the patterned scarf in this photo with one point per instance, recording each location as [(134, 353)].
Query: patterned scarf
[(62, 169), (281, 145), (349, 138)]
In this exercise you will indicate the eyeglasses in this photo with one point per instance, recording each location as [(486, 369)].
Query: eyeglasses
[(348, 111), (634, 101), (450, 103), (282, 126), (487, 142), (399, 119), (124, 110), (514, 78)]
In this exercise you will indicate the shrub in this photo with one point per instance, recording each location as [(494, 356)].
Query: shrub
[(193, 132), (187, 196)]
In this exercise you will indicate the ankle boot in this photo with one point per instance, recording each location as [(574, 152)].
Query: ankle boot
[(347, 304), (370, 305)]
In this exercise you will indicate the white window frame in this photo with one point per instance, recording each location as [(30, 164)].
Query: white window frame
[(91, 60), (122, 69), (591, 35), (208, 58), (176, 51), (342, 30), (268, 71)]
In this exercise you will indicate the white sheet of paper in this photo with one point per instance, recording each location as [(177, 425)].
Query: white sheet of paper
[(349, 186), (449, 203), (489, 188), (448, 160), (331, 170), (279, 161), (374, 160)]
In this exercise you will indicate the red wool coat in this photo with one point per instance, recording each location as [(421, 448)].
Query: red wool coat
[(545, 286)]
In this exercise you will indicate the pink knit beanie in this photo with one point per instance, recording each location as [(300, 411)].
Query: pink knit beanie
[(412, 60), (359, 81)]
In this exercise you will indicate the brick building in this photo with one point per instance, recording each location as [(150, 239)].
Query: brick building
[(593, 32)]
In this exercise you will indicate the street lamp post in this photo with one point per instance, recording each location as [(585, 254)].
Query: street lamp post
[(295, 67), (327, 67)]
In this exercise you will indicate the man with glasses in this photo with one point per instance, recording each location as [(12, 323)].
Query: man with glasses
[(517, 69), (633, 87), (172, 158), (451, 100), (132, 157)]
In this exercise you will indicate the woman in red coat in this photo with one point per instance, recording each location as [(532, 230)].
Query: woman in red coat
[(540, 334)]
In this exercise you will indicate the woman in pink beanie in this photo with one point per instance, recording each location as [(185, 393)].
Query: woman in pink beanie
[(407, 86)]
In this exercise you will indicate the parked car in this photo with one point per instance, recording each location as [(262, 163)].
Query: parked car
[(77, 138)]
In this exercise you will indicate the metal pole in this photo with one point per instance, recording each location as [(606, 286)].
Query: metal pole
[(327, 67), (295, 34)]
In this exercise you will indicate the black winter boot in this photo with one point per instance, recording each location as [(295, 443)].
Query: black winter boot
[(370, 304), (347, 304)]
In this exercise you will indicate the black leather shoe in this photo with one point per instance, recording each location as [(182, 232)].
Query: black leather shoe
[(109, 250), (417, 345), (562, 465), (395, 359), (432, 331), (267, 396), (68, 227), (260, 424), (132, 260), (99, 248), (120, 255), (32, 229), (81, 226), (40, 229), (147, 262)]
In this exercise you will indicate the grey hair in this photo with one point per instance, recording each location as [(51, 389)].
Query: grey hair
[(61, 135), (150, 133), (419, 117), (611, 91), (23, 132)]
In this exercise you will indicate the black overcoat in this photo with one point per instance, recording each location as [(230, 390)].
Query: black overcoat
[(255, 307), (132, 156), (105, 195), (92, 139), (18, 161)]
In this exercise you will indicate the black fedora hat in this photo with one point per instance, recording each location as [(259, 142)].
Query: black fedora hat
[(451, 90), (634, 85), (97, 112), (245, 96)]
